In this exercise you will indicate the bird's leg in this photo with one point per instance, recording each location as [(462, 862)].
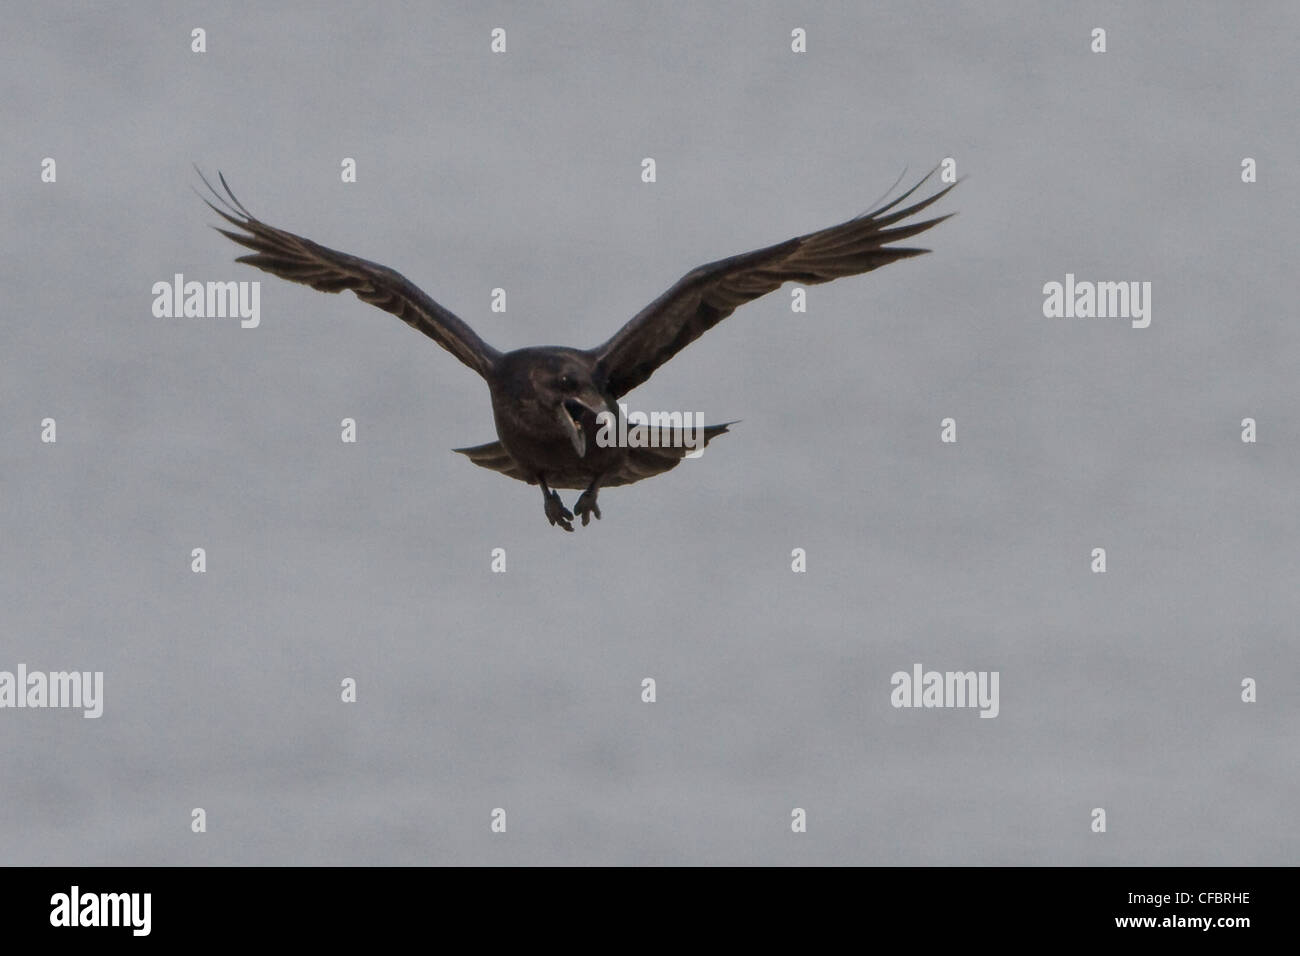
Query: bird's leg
[(556, 513), (586, 506)]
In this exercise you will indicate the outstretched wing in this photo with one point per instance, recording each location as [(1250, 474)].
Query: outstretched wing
[(300, 260), (707, 295)]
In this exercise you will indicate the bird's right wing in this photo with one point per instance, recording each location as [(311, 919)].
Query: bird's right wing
[(297, 259)]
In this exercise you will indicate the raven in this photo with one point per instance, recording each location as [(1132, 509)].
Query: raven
[(548, 401)]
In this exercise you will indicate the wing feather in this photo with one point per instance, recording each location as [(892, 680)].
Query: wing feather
[(297, 259), (705, 296)]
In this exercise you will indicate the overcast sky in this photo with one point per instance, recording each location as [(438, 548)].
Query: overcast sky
[(522, 690)]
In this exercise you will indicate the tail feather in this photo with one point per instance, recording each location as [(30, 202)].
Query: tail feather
[(640, 463)]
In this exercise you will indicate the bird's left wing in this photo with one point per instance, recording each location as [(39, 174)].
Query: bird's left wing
[(297, 259), (707, 295)]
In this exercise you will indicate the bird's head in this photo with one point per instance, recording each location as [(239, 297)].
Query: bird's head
[(560, 393)]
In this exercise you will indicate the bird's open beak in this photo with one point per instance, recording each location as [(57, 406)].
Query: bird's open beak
[(573, 415)]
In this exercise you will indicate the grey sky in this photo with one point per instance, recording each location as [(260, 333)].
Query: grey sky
[(522, 690)]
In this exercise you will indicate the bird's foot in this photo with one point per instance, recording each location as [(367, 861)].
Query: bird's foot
[(586, 507), (556, 513)]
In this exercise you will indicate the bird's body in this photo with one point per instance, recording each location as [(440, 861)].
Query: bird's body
[(549, 402), (532, 432)]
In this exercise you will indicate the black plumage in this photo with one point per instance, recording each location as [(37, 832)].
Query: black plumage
[(545, 400)]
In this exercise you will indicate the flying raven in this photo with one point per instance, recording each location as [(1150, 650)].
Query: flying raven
[(546, 400)]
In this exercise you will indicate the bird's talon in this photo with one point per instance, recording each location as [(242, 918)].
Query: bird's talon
[(556, 513), (586, 507)]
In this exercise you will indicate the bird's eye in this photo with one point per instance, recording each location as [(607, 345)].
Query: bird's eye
[(568, 383)]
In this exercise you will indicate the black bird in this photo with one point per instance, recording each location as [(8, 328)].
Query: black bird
[(546, 400)]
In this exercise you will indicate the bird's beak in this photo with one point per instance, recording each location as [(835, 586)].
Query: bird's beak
[(573, 415)]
